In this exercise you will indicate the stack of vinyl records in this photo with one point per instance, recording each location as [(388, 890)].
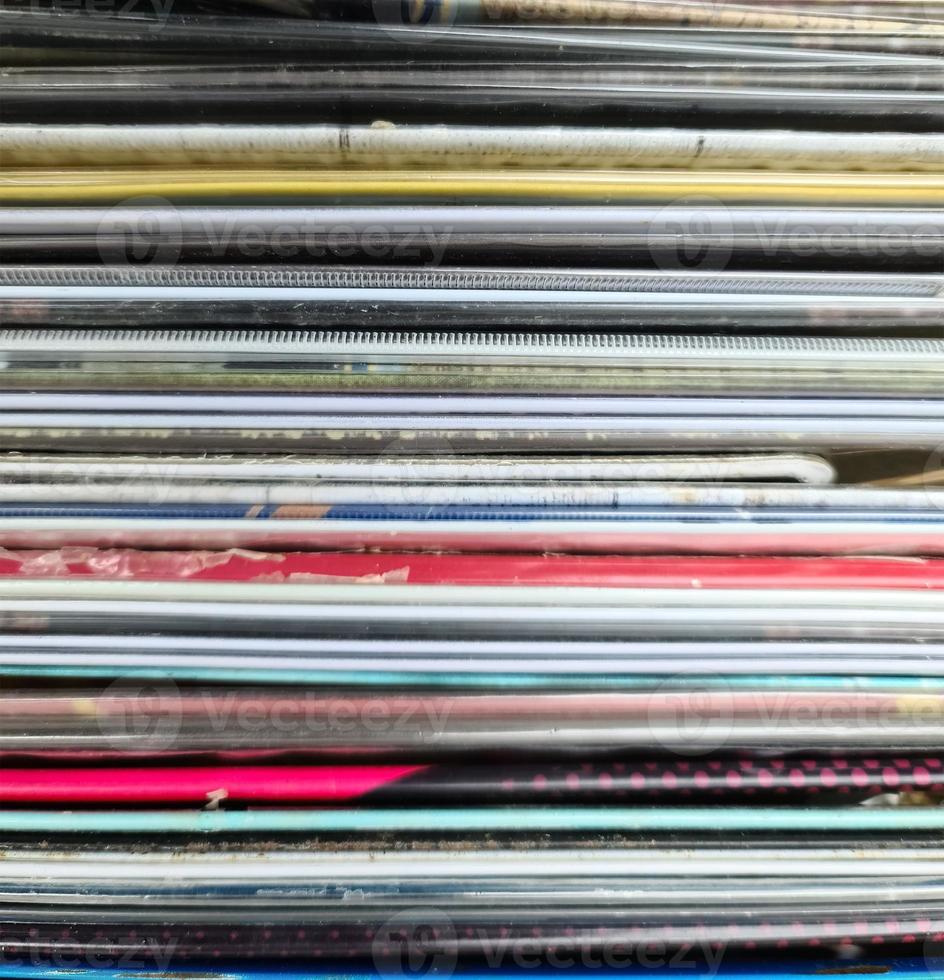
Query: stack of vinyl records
[(471, 488)]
